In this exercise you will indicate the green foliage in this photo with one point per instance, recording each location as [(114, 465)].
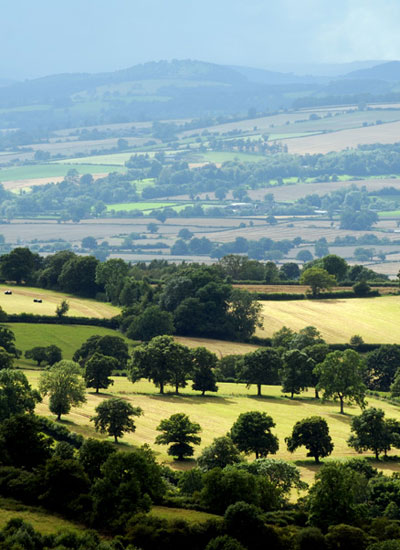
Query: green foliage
[(152, 322), (19, 265), (181, 432), (318, 279), (341, 377), (251, 433), (98, 369), (63, 383), (224, 542), (313, 433), (7, 341), (222, 452), (114, 417), (108, 345), (6, 359), (373, 432), (382, 366), (16, 394), (295, 372), (260, 367), (62, 309), (203, 365), (93, 454)]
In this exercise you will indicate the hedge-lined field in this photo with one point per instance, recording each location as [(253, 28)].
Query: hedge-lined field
[(375, 319), (21, 301)]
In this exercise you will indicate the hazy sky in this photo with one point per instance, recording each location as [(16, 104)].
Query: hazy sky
[(39, 37)]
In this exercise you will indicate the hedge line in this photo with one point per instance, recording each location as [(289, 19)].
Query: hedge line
[(52, 320)]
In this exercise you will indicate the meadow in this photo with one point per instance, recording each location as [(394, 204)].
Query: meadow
[(216, 413), (375, 319), (21, 301), (38, 171)]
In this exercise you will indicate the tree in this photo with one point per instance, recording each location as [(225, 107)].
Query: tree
[(16, 394), (271, 273), (251, 433), (111, 346), (382, 366), (98, 370), (53, 354), (336, 495), (152, 227), (341, 377), (114, 417), (296, 372), (152, 322), (203, 364), (316, 352), (111, 275), (181, 432), (19, 265), (62, 309), (64, 385), (89, 242), (318, 279), (93, 454), (244, 313), (222, 452), (321, 248), (78, 275), (372, 432), (7, 341), (185, 234), (313, 433), (6, 360), (37, 354), (289, 271), (335, 265), (161, 361), (304, 256), (260, 367)]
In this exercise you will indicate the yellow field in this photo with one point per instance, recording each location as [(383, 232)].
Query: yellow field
[(21, 301), (375, 319), (219, 347), (216, 414)]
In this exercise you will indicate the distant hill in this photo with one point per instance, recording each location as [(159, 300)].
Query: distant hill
[(389, 72), (273, 78)]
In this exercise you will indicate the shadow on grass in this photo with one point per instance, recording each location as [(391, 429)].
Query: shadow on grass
[(190, 399), (346, 418)]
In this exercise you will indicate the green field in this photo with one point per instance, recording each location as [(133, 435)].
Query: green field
[(375, 319), (67, 337), (116, 159), (389, 214), (37, 171), (227, 156), (216, 413), (143, 206), (21, 301)]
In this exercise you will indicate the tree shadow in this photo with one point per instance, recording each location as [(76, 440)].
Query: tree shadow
[(273, 398), (182, 398), (346, 418)]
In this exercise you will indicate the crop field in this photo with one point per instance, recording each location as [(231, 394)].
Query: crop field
[(302, 289), (67, 337), (220, 347), (375, 319), (38, 171), (340, 140), (115, 159), (21, 301), (216, 413)]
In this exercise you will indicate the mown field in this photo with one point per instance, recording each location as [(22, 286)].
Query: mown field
[(53, 170), (67, 337), (375, 319), (21, 301), (216, 413)]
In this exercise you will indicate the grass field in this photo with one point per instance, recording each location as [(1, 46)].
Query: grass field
[(375, 319), (116, 159), (128, 206), (216, 413), (67, 337), (21, 301), (37, 171), (191, 516), (219, 347), (40, 519)]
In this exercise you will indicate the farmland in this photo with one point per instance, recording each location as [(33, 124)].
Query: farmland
[(217, 412), (21, 301), (52, 170), (375, 319)]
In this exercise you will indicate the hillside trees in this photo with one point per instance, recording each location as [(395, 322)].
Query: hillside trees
[(296, 372), (373, 432), (341, 377), (313, 433), (109, 345), (19, 265), (181, 432), (98, 369), (114, 416), (251, 433), (318, 279), (16, 394), (64, 385), (260, 367), (203, 365)]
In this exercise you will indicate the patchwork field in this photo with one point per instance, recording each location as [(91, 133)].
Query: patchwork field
[(216, 414), (375, 319), (35, 171), (21, 301)]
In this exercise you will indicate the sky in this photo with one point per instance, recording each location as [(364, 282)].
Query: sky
[(43, 37)]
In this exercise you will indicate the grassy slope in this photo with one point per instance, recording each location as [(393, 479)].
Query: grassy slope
[(375, 319), (67, 337), (21, 301), (216, 414), (54, 170)]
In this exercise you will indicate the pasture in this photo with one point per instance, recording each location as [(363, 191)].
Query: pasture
[(216, 413), (375, 319), (67, 337), (39, 171), (21, 301)]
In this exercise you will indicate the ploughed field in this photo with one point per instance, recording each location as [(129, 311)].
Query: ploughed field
[(375, 319), (22, 301)]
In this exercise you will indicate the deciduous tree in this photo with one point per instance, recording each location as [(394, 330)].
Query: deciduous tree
[(313, 434), (114, 416), (181, 432), (251, 433), (98, 370)]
